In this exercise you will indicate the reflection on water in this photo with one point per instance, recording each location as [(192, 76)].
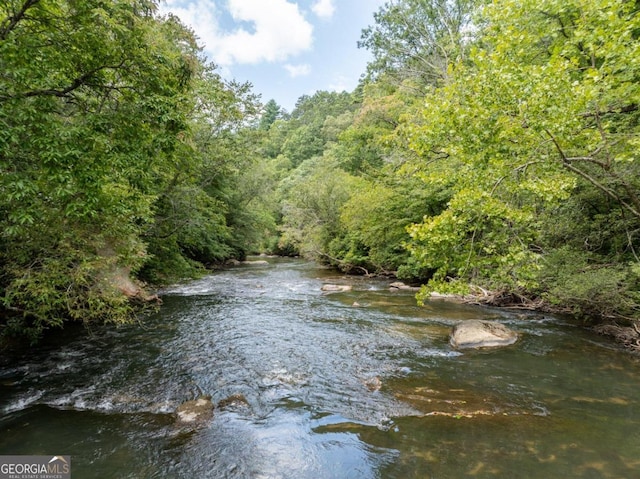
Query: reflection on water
[(330, 390)]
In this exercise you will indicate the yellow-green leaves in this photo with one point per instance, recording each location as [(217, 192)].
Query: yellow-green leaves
[(547, 103)]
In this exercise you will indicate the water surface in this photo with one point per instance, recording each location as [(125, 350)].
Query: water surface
[(332, 389)]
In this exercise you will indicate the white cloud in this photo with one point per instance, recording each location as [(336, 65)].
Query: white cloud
[(298, 70), (278, 29), (323, 8), (200, 15), (339, 84)]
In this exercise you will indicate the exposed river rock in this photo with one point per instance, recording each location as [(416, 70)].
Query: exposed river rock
[(402, 286), (481, 334)]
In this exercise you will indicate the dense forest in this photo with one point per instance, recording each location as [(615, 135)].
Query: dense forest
[(492, 148)]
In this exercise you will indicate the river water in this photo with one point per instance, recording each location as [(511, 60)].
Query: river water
[(324, 389)]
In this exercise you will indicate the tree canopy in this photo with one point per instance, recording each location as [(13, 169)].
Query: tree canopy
[(117, 155), (491, 146), (494, 147)]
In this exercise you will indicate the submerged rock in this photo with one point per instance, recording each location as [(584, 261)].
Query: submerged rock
[(336, 288), (445, 296), (234, 401), (195, 412), (481, 334), (373, 384), (400, 285)]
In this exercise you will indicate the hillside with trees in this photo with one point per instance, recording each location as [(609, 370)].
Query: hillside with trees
[(491, 148), (122, 155)]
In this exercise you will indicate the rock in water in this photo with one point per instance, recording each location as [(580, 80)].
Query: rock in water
[(373, 384), (401, 285), (481, 334), (235, 401), (195, 412), (336, 288)]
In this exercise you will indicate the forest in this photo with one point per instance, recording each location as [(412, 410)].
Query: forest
[(492, 149)]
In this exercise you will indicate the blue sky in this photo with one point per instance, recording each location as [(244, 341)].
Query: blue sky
[(285, 48)]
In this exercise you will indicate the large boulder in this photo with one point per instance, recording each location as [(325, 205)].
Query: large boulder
[(481, 334)]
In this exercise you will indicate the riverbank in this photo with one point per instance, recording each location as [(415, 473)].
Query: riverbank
[(623, 331)]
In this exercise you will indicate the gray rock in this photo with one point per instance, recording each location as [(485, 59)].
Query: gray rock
[(373, 384), (436, 295), (481, 334)]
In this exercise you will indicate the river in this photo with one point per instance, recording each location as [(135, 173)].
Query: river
[(329, 389)]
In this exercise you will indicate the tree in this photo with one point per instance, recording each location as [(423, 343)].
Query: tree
[(418, 40), (198, 210), (313, 196), (101, 103), (545, 112), (304, 135), (271, 113)]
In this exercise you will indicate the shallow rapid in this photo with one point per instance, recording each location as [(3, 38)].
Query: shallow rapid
[(352, 384)]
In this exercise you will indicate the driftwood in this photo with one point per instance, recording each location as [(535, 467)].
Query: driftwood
[(504, 299), (628, 336)]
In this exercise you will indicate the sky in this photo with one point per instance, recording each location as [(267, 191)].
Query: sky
[(285, 48)]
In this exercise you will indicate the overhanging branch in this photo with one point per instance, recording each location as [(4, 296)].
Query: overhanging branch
[(566, 162), (63, 92)]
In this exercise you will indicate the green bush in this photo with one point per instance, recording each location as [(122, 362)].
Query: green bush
[(590, 288)]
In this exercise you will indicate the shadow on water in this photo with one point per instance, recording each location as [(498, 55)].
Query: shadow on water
[(359, 384)]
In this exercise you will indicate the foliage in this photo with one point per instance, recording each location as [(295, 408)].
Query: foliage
[(418, 39), (271, 113), (110, 159), (492, 144), (547, 105), (312, 198), (584, 286), (305, 135)]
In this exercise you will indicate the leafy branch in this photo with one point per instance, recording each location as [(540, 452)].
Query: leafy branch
[(64, 92), (9, 23), (567, 163)]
